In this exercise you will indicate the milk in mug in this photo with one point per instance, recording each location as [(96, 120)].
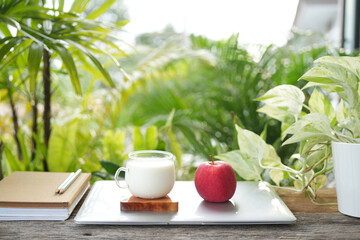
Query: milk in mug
[(150, 177), (148, 174)]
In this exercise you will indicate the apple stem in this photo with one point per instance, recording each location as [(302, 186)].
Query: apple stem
[(212, 160)]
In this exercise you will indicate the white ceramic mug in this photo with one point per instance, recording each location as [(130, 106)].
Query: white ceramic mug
[(148, 174)]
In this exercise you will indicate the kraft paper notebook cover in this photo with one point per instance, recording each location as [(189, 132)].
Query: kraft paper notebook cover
[(31, 195)]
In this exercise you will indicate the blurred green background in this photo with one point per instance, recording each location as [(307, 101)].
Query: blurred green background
[(75, 94)]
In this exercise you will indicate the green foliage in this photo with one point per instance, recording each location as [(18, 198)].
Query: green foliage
[(139, 143), (74, 40), (283, 103), (113, 144), (210, 95), (205, 85), (62, 146), (48, 29), (314, 128), (34, 59), (246, 166), (151, 138)]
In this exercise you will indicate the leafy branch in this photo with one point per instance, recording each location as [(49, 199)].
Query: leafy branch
[(314, 128)]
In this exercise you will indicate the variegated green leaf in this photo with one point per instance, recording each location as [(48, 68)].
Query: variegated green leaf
[(246, 166), (342, 112), (320, 104), (276, 176), (250, 143), (341, 80), (283, 103), (313, 125), (319, 181), (271, 158), (351, 64)]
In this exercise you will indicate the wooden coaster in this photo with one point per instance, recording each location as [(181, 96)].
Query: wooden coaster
[(164, 204)]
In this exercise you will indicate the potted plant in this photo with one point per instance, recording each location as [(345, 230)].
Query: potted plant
[(325, 129)]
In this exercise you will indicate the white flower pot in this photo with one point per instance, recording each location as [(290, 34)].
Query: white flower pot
[(347, 177)]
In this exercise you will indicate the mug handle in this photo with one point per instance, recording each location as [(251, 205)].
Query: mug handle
[(116, 177)]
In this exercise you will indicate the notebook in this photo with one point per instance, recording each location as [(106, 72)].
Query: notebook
[(31, 195)]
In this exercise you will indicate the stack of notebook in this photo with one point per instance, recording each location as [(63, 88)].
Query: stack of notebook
[(32, 195)]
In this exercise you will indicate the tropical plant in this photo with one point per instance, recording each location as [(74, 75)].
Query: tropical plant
[(314, 126), (209, 97), (33, 35), (150, 138)]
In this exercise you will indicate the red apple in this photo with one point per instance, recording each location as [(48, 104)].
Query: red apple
[(215, 181)]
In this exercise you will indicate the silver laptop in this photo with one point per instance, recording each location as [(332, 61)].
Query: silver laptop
[(252, 203)]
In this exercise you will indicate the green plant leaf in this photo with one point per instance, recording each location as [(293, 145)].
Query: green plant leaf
[(78, 6), (62, 146), (110, 167), (14, 163), (338, 79), (122, 23), (103, 71), (247, 167), (342, 112), (175, 146), (309, 145), (276, 176), (319, 181), (5, 30), (191, 137), (61, 5), (113, 144), (95, 61), (271, 158), (24, 150), (7, 47), (263, 134), (34, 59), (151, 138), (313, 125), (283, 103), (316, 155), (250, 143), (69, 64), (101, 175), (351, 64), (138, 140), (298, 185), (320, 104), (101, 9)]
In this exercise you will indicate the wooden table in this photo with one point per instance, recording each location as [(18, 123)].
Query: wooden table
[(315, 222)]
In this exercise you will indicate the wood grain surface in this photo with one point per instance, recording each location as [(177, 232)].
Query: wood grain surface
[(164, 204), (312, 223), (298, 202)]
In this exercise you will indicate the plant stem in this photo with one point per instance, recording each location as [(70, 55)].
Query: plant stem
[(15, 119), (212, 160), (286, 188), (316, 203), (1, 152), (344, 138), (34, 127), (47, 104), (318, 163), (307, 108)]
